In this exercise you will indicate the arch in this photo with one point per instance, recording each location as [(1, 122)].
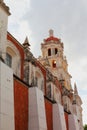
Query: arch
[(49, 52), (57, 94), (39, 79), (13, 43), (13, 52)]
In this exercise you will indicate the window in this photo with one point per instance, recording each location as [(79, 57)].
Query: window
[(56, 51), (49, 52), (8, 60), (54, 64)]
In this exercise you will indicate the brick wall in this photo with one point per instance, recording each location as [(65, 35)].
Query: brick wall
[(20, 105)]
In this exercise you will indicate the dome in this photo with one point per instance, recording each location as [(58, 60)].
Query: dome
[(51, 37)]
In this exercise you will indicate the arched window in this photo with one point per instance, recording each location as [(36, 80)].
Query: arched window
[(49, 52), (13, 59), (54, 63), (9, 60), (56, 51)]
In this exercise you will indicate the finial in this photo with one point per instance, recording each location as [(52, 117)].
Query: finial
[(75, 89), (26, 42), (50, 32)]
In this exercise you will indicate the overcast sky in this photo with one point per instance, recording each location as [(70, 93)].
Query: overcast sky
[(68, 19)]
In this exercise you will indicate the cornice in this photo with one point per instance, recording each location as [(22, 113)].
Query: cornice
[(5, 7)]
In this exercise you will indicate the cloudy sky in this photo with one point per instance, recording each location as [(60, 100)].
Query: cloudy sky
[(68, 19)]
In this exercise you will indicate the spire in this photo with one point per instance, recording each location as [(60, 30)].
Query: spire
[(26, 43), (75, 89), (74, 94)]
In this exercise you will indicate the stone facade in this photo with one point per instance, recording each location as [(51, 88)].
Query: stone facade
[(35, 94)]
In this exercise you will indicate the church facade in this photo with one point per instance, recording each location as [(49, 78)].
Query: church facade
[(35, 93)]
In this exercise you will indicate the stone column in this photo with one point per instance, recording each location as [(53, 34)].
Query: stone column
[(58, 117), (4, 13), (6, 98), (73, 122)]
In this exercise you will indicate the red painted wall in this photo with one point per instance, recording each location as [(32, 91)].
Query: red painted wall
[(49, 117), (66, 119), (20, 105)]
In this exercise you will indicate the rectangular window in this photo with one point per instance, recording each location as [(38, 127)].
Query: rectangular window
[(8, 60)]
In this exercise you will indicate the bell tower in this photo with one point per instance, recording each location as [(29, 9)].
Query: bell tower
[(4, 13), (52, 53)]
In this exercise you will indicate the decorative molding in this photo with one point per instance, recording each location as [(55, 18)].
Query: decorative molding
[(6, 8)]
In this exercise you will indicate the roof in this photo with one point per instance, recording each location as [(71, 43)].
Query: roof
[(51, 36)]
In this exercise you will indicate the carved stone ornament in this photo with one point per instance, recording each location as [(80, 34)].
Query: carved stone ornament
[(30, 57), (50, 77), (65, 92)]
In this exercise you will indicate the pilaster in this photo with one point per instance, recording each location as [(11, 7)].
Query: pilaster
[(6, 98), (37, 117), (58, 117)]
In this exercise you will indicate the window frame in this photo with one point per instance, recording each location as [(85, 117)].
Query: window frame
[(8, 59)]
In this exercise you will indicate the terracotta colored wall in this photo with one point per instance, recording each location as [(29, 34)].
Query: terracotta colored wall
[(20, 105), (66, 118), (48, 107)]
